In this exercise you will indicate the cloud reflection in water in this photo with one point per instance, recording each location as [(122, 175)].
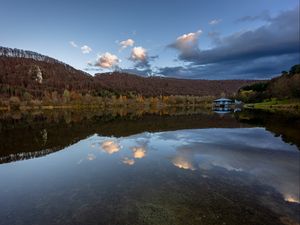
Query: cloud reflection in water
[(91, 157), (128, 161), (182, 163), (139, 152), (252, 151), (110, 146)]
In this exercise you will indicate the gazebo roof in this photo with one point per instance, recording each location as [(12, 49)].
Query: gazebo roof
[(223, 100)]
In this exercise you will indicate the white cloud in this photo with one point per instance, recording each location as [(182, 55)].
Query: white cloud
[(85, 49), (139, 54), (141, 59), (73, 44), (187, 44), (107, 60), (215, 21), (127, 43), (188, 38)]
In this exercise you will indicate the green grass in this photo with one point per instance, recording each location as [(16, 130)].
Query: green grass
[(275, 105)]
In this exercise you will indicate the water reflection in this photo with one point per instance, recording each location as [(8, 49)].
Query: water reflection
[(91, 157), (110, 146), (139, 152), (128, 161), (251, 151), (35, 134), (182, 162), (290, 198), (196, 169), (205, 172), (222, 110)]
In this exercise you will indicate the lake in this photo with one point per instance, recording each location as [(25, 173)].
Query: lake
[(173, 167)]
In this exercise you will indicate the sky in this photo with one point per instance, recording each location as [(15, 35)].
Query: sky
[(194, 39)]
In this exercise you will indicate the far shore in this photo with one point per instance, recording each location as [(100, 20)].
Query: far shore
[(291, 106), (99, 106), (286, 106)]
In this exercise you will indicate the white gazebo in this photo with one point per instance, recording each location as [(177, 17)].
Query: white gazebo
[(223, 102)]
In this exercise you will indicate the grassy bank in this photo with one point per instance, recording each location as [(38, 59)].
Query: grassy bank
[(274, 105)]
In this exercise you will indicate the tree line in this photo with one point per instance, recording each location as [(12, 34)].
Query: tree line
[(285, 86)]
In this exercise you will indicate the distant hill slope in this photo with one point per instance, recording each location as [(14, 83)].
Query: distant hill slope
[(35, 73), (285, 86), (153, 86), (28, 71)]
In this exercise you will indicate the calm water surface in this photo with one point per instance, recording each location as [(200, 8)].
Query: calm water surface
[(95, 168)]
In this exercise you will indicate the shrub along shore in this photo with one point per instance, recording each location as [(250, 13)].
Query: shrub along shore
[(74, 100)]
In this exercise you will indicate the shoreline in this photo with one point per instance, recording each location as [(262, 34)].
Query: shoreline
[(282, 106), (95, 106)]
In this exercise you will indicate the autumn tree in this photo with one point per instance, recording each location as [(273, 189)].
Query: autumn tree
[(66, 96)]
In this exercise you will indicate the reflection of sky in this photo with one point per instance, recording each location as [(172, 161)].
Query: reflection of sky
[(247, 151), (91, 157), (128, 161), (254, 151)]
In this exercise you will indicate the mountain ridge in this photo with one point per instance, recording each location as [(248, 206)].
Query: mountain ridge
[(23, 70)]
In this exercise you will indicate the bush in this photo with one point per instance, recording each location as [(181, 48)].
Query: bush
[(260, 87), (35, 102), (66, 96), (27, 96), (14, 102), (295, 69)]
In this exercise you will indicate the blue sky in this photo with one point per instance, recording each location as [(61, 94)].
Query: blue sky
[(187, 39)]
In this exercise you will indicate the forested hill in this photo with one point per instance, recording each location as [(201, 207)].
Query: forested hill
[(29, 72), (285, 86), (154, 86), (35, 73)]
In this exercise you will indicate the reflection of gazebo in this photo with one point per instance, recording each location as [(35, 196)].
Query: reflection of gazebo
[(223, 102)]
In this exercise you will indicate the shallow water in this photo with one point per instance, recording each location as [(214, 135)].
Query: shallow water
[(194, 169)]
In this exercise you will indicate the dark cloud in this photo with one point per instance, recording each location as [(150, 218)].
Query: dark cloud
[(145, 64), (187, 44), (215, 37), (141, 59), (262, 52), (265, 15), (261, 68), (142, 72), (92, 69)]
